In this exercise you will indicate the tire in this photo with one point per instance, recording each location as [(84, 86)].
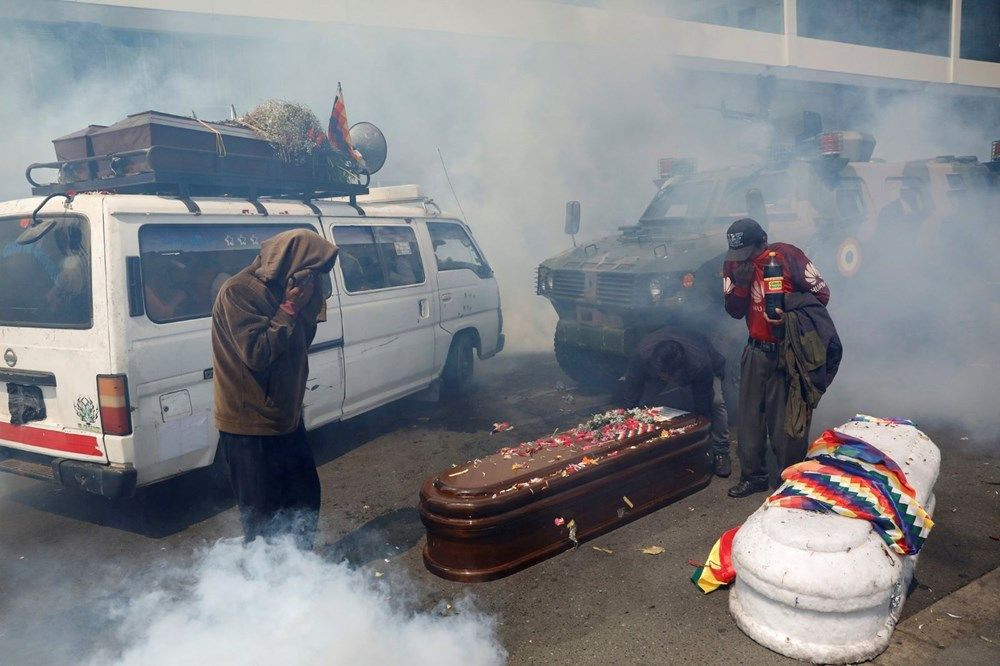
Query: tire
[(592, 370), (459, 368)]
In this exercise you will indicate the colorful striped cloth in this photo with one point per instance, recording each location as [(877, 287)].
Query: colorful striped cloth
[(718, 570), (849, 477)]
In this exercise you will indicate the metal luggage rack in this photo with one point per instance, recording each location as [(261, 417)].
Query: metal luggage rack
[(185, 184)]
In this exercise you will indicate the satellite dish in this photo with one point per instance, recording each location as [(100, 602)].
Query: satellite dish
[(370, 142)]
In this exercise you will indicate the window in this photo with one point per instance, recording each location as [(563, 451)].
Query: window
[(378, 257), (454, 250), (400, 256), (686, 199), (980, 27), (184, 266), (761, 15), (850, 203), (918, 26), (46, 284), (911, 192), (777, 189)]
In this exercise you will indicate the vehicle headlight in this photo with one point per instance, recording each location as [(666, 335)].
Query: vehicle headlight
[(544, 280), (655, 289)]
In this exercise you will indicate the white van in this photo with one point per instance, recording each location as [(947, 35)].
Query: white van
[(106, 379)]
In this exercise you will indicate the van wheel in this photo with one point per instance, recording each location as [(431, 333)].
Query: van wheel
[(460, 366)]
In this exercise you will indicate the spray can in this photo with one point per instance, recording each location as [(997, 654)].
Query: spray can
[(774, 286)]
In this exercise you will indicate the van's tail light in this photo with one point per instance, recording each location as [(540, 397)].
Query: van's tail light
[(112, 395), (995, 156)]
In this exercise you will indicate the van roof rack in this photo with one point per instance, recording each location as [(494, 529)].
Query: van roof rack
[(216, 183)]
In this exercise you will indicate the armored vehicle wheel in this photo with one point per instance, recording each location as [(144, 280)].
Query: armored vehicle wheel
[(592, 370)]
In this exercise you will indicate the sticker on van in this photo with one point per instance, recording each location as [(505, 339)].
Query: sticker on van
[(87, 412)]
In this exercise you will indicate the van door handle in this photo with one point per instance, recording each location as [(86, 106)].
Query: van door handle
[(425, 309), (445, 298)]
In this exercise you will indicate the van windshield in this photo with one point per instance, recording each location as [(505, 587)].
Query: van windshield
[(46, 284)]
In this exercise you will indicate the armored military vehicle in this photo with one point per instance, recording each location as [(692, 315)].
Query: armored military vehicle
[(822, 192)]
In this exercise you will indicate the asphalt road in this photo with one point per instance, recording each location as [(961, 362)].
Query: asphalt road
[(63, 554)]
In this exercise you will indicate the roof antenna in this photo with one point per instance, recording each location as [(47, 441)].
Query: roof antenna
[(453, 193)]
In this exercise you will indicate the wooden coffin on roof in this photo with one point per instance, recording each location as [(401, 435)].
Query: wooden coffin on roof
[(158, 152), (497, 515)]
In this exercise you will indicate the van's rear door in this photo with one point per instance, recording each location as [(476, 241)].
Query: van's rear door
[(53, 329)]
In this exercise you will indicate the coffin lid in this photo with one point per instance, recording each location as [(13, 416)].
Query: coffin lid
[(505, 478), (144, 118), (86, 131)]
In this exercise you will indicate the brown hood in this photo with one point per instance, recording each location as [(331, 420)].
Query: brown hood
[(292, 252)]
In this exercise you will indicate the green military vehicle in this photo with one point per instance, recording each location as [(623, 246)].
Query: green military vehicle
[(824, 194)]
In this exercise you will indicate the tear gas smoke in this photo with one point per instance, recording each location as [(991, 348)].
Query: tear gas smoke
[(524, 126), (274, 604)]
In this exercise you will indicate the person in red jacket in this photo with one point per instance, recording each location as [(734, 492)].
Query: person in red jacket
[(763, 384)]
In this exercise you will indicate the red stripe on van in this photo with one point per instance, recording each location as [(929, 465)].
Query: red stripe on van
[(50, 439)]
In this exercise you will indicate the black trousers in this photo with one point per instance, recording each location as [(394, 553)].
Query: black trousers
[(763, 392), (709, 402), (275, 483)]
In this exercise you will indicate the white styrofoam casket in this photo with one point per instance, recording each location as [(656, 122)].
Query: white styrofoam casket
[(822, 587)]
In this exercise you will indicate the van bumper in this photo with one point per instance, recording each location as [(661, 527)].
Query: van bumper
[(112, 481)]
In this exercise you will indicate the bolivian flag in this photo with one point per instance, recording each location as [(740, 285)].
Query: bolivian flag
[(718, 570)]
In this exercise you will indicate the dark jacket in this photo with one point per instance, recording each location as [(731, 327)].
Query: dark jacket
[(260, 351), (702, 364), (810, 355)]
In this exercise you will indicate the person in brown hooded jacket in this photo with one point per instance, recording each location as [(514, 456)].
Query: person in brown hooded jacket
[(263, 322)]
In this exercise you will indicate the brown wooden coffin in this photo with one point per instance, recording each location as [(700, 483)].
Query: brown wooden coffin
[(76, 146), (497, 515), (182, 144)]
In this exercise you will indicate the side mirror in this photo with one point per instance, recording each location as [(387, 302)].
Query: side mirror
[(756, 208), (572, 227)]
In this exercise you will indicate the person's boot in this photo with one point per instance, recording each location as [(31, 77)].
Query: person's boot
[(722, 465), (748, 487)]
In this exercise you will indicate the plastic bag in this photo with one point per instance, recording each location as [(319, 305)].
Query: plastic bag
[(26, 404)]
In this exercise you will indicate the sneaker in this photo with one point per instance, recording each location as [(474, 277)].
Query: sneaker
[(722, 465), (748, 487)]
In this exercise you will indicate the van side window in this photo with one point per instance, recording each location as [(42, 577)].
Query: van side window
[(184, 266), (378, 257), (400, 255), (358, 258), (454, 249)]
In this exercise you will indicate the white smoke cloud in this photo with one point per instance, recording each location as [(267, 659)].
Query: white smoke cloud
[(274, 604)]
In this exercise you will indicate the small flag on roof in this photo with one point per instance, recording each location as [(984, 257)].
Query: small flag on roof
[(338, 131)]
